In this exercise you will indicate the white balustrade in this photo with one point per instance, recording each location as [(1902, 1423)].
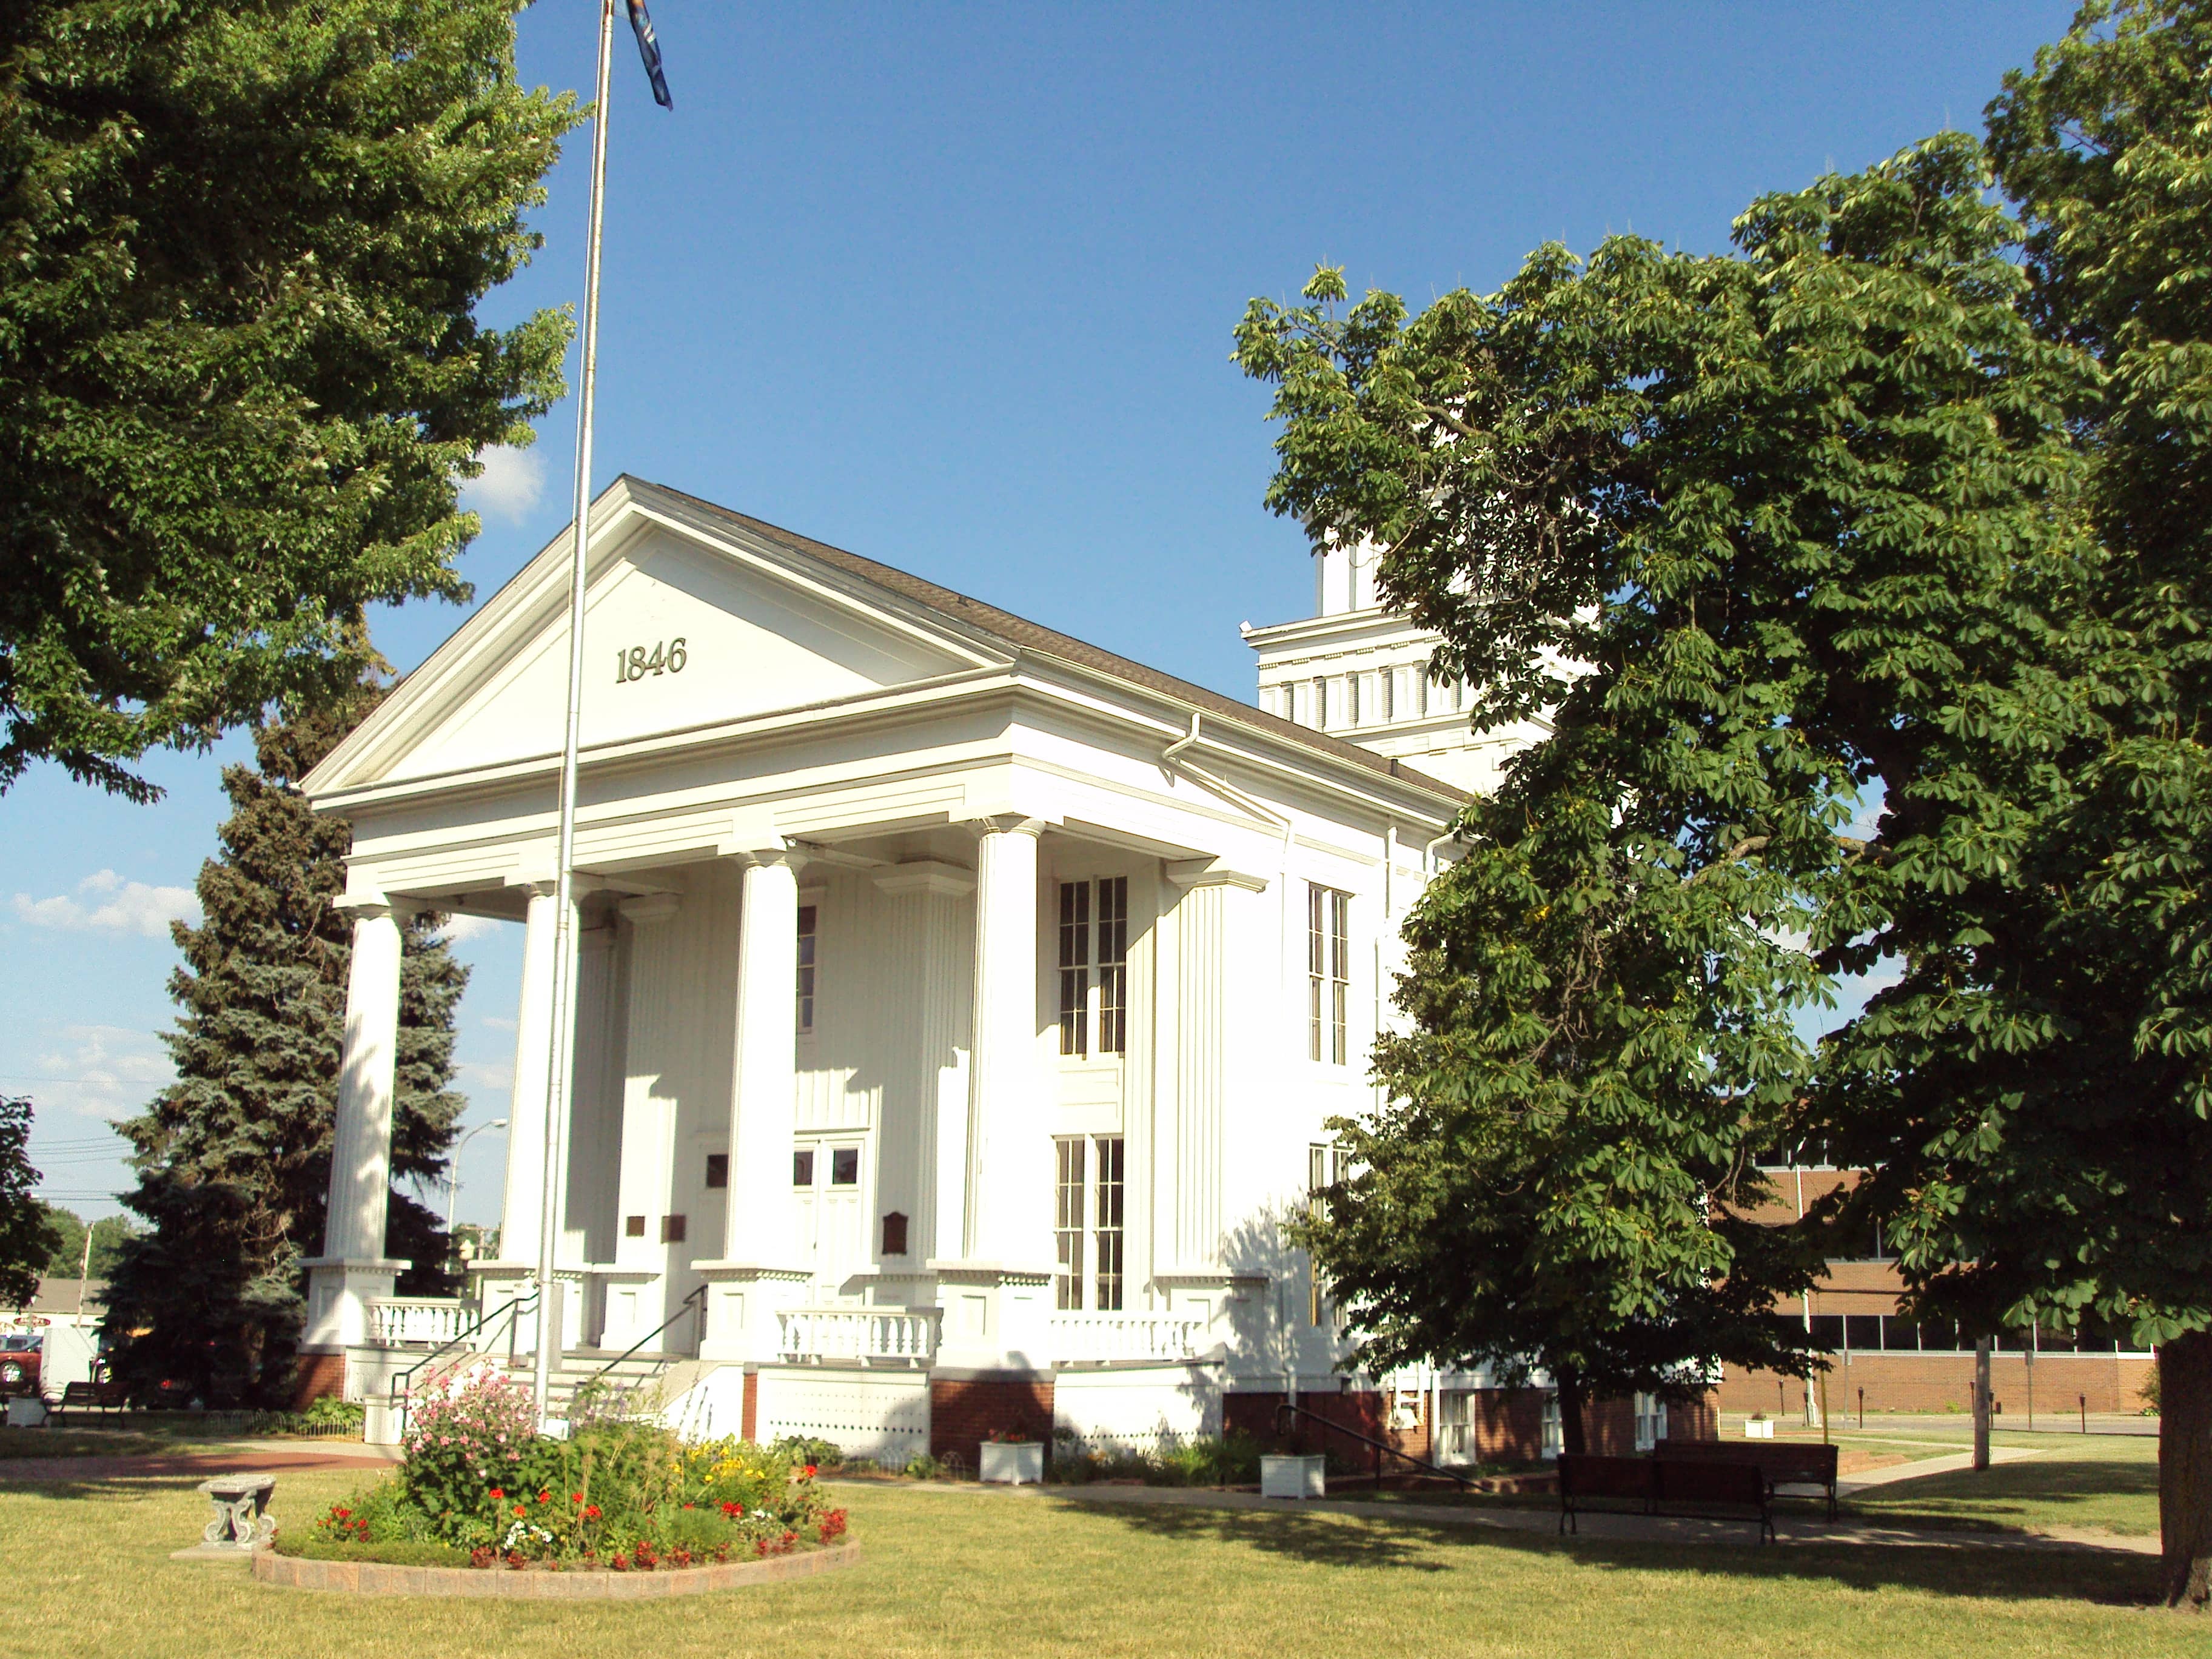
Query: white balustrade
[(417, 1320), (869, 1335), (1096, 1336)]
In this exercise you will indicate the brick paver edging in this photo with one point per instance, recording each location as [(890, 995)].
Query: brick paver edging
[(376, 1579)]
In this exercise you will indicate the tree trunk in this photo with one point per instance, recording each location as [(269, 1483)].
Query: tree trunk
[(1571, 1401), (1982, 1404), (2185, 1468)]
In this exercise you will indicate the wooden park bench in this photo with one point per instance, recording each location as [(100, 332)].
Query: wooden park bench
[(1785, 1462), (1691, 1488), (103, 1397)]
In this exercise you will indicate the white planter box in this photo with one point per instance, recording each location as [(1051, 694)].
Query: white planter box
[(1758, 1428), (1012, 1462), (1293, 1477)]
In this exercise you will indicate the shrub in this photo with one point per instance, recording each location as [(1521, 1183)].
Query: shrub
[(803, 1449), (2148, 1393), (467, 1434)]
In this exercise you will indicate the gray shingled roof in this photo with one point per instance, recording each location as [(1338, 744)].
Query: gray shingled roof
[(1018, 633)]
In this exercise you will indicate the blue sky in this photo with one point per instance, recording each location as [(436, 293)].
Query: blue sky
[(953, 287)]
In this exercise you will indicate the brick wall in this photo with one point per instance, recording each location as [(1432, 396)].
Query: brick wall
[(1507, 1423), (963, 1412), (316, 1376), (749, 1406), (1945, 1382)]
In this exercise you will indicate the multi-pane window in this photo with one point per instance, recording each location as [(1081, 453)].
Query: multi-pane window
[(1106, 1224), (1114, 965), (1068, 1222), (808, 917), (1075, 967), (1329, 973), (1088, 1217), (1094, 954)]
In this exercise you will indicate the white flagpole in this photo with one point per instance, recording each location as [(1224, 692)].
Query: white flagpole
[(549, 1320)]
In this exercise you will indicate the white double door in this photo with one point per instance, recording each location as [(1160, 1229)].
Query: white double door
[(829, 1186)]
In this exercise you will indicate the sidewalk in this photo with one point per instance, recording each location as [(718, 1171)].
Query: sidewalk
[(1627, 1528)]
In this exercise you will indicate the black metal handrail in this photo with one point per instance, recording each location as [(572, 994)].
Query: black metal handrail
[(698, 1294), (402, 1386), (1285, 1412)]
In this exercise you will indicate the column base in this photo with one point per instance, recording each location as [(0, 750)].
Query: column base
[(995, 1316), (743, 1300), (339, 1291)]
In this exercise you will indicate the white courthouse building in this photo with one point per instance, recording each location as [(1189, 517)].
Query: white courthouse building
[(959, 1006)]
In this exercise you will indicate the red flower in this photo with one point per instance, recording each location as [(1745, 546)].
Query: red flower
[(575, 1498), (519, 1512), (808, 1471), (591, 1512), (620, 1564), (544, 1497), (496, 1494)]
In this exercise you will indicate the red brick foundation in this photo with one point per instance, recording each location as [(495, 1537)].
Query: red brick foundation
[(964, 1412), (316, 1376), (749, 1410), (1945, 1383)]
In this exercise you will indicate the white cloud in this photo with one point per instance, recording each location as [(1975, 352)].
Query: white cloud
[(511, 481), (486, 1077), (496, 1022), (458, 927), (105, 902)]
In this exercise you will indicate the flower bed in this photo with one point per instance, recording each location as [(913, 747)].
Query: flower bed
[(379, 1578), (478, 1487)]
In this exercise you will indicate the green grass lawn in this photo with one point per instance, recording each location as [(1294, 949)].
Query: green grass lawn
[(961, 1571), (2108, 1482)]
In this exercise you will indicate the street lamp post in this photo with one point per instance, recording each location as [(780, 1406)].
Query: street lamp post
[(453, 1169)]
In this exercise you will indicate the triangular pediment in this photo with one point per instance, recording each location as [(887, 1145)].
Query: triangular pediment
[(682, 631)]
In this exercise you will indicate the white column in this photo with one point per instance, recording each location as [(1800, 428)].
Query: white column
[(525, 1117), (759, 1270), (353, 1268), (994, 1295), (1009, 1208)]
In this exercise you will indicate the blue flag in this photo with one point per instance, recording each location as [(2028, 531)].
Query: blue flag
[(641, 22)]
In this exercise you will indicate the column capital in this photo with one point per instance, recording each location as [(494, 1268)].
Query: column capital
[(1213, 872), (363, 907), (781, 853), (1009, 823)]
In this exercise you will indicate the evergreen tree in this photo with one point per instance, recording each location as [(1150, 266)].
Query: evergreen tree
[(233, 1157), (27, 1236)]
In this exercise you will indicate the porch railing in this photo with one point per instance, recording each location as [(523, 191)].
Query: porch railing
[(1099, 1336), (870, 1335), (406, 1322)]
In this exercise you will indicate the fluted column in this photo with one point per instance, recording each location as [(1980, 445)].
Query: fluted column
[(353, 1268)]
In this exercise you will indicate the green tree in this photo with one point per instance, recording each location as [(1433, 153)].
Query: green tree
[(241, 375), (27, 1236), (69, 1258), (1754, 530), (233, 1157), (2035, 1091)]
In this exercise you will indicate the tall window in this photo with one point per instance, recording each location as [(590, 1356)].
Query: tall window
[(1067, 1223), (1094, 956), (1088, 1223), (1323, 1166), (1329, 972), (1106, 1222), (1075, 967), (807, 919)]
